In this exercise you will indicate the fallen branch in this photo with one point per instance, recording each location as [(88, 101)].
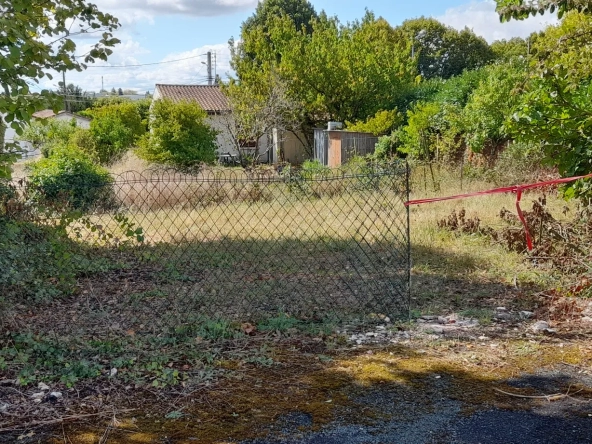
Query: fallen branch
[(550, 398), (553, 397)]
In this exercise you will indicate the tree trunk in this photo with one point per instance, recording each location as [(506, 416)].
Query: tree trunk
[(2, 134)]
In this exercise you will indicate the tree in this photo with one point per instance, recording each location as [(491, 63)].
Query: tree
[(37, 36), (506, 50), (490, 105), (382, 123), (120, 92), (556, 111), (442, 51), (458, 89), (179, 135), (256, 113), (301, 12), (76, 99), (521, 9), (336, 72), (115, 128)]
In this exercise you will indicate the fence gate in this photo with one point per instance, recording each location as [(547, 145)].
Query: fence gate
[(321, 146)]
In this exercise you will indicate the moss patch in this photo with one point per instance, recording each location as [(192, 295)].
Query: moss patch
[(251, 400)]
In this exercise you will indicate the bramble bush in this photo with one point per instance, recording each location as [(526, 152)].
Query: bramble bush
[(35, 262)]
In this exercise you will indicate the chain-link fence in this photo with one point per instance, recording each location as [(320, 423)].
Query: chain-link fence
[(164, 249)]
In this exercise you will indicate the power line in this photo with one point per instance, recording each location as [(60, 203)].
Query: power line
[(144, 64)]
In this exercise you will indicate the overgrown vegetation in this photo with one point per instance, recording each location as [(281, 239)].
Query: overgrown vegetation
[(107, 298), (179, 136), (70, 177)]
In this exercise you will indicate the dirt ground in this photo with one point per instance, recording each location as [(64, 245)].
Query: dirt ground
[(515, 378)]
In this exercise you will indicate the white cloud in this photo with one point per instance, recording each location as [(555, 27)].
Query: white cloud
[(484, 21), (130, 11), (143, 78)]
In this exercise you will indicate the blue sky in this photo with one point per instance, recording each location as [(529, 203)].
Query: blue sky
[(162, 30)]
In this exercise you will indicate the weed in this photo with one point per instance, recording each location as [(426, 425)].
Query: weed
[(281, 323), (216, 329)]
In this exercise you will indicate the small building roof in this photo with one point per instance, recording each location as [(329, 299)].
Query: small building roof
[(209, 97), (44, 114), (48, 114)]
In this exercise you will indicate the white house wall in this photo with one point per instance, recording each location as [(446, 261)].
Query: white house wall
[(225, 142), (80, 123)]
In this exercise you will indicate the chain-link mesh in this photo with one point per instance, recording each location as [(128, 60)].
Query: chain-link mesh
[(163, 249)]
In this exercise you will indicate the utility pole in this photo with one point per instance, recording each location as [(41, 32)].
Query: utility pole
[(210, 78), (65, 91)]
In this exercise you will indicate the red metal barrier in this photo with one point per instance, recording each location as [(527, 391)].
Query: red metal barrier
[(518, 189)]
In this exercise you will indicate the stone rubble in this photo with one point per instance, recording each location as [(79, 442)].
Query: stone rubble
[(435, 326)]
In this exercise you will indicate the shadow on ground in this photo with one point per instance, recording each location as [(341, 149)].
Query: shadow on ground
[(396, 394)]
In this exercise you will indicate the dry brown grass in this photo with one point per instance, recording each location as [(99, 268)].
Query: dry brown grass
[(129, 162)]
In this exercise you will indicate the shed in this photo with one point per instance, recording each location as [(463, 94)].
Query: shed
[(334, 148)]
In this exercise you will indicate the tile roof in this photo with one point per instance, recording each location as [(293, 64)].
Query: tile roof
[(209, 97), (44, 114)]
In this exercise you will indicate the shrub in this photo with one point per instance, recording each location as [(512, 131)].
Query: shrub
[(45, 135), (387, 146), (84, 140), (115, 128), (380, 124), (35, 262), (179, 136), (69, 176), (314, 169), (7, 193)]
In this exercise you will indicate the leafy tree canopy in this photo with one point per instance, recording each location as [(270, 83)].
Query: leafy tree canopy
[(37, 36), (179, 135), (337, 72), (443, 51), (556, 112), (515, 47), (490, 104), (382, 123), (301, 12), (521, 9)]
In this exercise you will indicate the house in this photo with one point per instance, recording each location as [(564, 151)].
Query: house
[(212, 100), (271, 147), (64, 116), (25, 147)]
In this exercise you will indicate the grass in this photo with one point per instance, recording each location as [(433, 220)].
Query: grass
[(169, 313), (464, 271), (288, 261)]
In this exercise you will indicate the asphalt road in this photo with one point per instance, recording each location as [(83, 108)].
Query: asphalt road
[(567, 420)]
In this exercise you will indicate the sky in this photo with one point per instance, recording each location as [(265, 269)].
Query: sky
[(155, 31)]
